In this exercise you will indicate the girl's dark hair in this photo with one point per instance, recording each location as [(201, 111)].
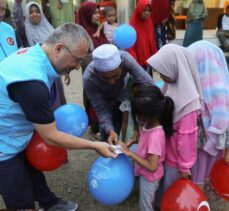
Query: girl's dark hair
[(108, 9), (149, 103)]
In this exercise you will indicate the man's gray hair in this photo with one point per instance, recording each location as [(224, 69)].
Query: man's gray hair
[(70, 34)]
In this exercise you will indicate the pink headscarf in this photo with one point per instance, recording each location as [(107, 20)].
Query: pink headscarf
[(177, 63)]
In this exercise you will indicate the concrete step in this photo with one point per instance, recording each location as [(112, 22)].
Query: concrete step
[(209, 35)]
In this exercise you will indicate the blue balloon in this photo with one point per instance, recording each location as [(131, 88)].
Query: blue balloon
[(125, 36), (71, 119), (159, 84), (110, 181)]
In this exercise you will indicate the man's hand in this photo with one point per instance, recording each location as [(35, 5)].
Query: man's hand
[(113, 137), (97, 34), (105, 149)]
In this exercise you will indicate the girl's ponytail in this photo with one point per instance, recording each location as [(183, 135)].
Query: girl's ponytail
[(167, 116)]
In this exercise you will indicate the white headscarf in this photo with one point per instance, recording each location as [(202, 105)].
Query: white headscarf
[(177, 63), (36, 33)]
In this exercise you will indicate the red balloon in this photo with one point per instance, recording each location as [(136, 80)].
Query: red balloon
[(44, 157), (220, 178), (184, 195)]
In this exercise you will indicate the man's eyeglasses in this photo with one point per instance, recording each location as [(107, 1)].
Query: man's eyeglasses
[(77, 60)]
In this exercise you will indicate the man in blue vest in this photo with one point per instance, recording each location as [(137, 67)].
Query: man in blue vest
[(26, 78), (8, 43)]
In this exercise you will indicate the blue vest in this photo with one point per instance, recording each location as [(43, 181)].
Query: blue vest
[(8, 43), (24, 65)]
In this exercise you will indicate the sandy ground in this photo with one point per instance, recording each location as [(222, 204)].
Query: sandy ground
[(70, 181)]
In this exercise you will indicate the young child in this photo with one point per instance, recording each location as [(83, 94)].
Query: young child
[(179, 71), (109, 25), (145, 45), (153, 113)]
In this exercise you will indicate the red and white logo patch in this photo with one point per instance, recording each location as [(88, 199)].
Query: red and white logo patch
[(10, 41)]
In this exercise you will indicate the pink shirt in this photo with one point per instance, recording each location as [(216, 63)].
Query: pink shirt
[(181, 147), (152, 142), (109, 31)]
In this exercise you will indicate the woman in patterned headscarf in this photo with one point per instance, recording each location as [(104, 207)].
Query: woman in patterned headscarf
[(213, 123)]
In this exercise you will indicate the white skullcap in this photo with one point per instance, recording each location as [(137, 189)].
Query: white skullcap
[(106, 57)]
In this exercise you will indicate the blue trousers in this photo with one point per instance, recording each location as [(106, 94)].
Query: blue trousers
[(21, 185)]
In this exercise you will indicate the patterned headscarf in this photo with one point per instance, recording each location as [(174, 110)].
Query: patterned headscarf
[(214, 78)]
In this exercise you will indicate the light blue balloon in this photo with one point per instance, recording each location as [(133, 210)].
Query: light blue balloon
[(71, 119), (110, 181), (125, 36)]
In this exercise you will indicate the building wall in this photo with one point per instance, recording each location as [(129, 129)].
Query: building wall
[(209, 4), (63, 15)]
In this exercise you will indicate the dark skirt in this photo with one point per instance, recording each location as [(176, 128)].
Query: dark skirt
[(161, 35), (194, 32)]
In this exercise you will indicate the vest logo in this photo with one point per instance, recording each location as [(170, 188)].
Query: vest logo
[(22, 51), (10, 41)]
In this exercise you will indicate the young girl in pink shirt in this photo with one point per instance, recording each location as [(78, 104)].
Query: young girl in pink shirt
[(179, 71), (153, 113), (109, 25)]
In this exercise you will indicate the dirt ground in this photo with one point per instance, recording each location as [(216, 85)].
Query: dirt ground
[(70, 181)]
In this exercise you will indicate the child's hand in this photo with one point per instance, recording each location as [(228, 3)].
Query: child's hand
[(130, 143), (97, 34), (185, 175), (124, 149), (226, 156)]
